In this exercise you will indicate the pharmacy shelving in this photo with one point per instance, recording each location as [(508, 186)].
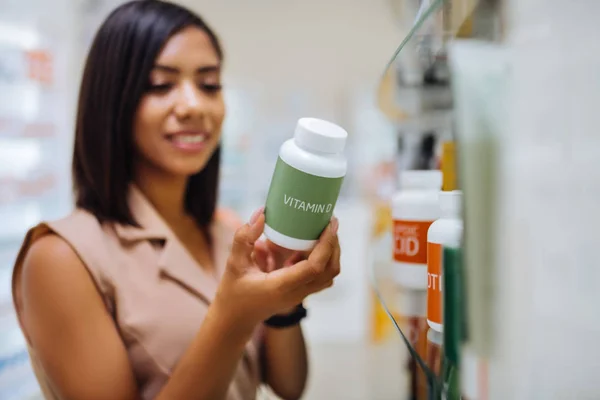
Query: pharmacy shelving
[(36, 102), (525, 124), (415, 95)]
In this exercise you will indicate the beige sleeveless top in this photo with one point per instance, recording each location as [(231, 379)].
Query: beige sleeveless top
[(156, 292)]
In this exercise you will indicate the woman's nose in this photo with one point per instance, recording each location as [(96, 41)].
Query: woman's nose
[(189, 101)]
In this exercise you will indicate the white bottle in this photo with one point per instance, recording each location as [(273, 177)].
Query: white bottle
[(305, 184), (414, 208), (444, 232)]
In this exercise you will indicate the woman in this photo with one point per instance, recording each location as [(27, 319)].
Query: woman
[(143, 292)]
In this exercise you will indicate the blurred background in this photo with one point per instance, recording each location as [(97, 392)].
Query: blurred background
[(519, 104), (283, 61)]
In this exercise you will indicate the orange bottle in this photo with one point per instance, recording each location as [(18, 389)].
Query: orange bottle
[(446, 231)]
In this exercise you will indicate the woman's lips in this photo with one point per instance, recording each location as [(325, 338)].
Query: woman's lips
[(190, 141)]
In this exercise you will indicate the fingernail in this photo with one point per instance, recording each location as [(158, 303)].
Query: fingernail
[(255, 216), (335, 224)]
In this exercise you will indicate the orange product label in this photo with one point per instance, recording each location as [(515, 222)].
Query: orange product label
[(40, 66), (434, 282), (410, 241)]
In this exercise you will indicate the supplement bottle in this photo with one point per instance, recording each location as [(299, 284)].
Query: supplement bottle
[(444, 232), (414, 208), (305, 184)]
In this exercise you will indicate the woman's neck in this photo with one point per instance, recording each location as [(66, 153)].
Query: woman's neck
[(165, 192)]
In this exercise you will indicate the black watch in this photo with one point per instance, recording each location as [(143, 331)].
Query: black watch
[(284, 321)]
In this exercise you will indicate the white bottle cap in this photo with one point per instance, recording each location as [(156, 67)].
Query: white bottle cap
[(319, 135), (451, 203), (421, 179)]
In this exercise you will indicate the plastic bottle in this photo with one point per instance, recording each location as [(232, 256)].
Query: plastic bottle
[(414, 208), (444, 232), (306, 184)]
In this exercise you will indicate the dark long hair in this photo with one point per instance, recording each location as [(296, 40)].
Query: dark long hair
[(114, 80)]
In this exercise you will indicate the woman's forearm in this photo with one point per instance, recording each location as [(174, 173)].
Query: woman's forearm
[(286, 361), (206, 369)]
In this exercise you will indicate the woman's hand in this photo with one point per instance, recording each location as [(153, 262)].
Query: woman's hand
[(254, 288), (270, 256)]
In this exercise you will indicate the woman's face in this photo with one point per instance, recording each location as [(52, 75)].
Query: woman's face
[(178, 122)]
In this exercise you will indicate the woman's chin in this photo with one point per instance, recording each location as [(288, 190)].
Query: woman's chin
[(187, 168)]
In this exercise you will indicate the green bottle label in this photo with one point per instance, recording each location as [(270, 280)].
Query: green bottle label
[(300, 205)]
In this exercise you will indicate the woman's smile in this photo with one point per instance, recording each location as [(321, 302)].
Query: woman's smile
[(189, 141)]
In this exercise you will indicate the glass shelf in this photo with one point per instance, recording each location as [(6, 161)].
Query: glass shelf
[(415, 95)]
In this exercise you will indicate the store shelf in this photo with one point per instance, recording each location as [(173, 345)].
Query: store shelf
[(16, 375), (35, 138), (11, 128), (17, 219), (414, 100), (19, 190), (421, 106), (427, 121)]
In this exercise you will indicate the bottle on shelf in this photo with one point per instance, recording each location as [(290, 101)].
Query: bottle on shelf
[(414, 208), (444, 232)]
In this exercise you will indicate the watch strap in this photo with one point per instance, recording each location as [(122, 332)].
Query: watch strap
[(284, 321)]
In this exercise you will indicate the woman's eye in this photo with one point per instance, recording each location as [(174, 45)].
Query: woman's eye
[(211, 88), (159, 88)]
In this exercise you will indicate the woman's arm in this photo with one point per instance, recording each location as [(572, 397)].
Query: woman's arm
[(82, 353), (285, 361), (67, 322), (283, 355), (80, 349)]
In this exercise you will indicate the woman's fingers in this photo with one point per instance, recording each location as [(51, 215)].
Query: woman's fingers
[(297, 276), (332, 266), (334, 262), (324, 249), (321, 255), (287, 280), (296, 257), (260, 255), (271, 263), (279, 253), (325, 279), (299, 294), (316, 287)]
